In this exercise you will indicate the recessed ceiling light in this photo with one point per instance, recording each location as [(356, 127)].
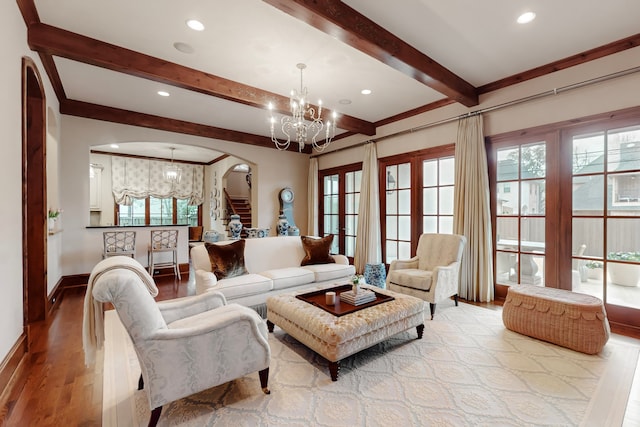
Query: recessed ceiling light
[(366, 91), (196, 25), (183, 47), (526, 17), (114, 146), (345, 101), (163, 93)]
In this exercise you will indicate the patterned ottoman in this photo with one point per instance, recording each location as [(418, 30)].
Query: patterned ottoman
[(569, 319), (335, 338)]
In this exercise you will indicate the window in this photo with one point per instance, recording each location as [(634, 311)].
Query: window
[(417, 198), (155, 211), (339, 205)]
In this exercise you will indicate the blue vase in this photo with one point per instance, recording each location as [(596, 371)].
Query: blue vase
[(235, 227), (283, 225)]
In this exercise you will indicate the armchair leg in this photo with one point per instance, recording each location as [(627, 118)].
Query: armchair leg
[(140, 383), (264, 380), (155, 416), (455, 299), (432, 308)]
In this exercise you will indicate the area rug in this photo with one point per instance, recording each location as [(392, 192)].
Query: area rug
[(468, 370)]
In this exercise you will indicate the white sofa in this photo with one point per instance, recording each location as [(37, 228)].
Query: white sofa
[(273, 265)]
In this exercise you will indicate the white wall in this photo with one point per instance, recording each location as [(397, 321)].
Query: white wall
[(14, 47)]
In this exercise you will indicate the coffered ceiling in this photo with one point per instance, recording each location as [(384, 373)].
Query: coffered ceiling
[(108, 59)]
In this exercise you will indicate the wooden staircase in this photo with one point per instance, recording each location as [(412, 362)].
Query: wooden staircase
[(239, 206)]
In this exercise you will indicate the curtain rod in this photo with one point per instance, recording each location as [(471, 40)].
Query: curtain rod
[(554, 91)]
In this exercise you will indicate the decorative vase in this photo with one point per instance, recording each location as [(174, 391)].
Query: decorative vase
[(235, 227), (283, 225), (51, 223), (211, 236)]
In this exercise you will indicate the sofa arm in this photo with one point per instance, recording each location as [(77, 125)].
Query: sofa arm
[(401, 264), (445, 280), (341, 259), (180, 308), (205, 280)]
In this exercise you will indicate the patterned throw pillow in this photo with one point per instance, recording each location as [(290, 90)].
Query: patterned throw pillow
[(227, 260), (317, 250)]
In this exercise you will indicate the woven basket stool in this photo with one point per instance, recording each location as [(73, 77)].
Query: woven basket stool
[(573, 320)]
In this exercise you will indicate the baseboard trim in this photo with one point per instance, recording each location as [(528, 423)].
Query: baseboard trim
[(13, 376)]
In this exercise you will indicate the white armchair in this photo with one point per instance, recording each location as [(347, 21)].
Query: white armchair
[(188, 344), (433, 274)]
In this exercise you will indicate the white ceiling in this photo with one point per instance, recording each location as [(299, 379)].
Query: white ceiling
[(252, 42)]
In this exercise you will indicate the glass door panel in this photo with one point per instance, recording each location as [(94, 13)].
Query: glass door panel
[(398, 212), (331, 214), (606, 207)]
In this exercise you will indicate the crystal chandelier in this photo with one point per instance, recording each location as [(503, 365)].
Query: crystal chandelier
[(304, 123), (172, 173)]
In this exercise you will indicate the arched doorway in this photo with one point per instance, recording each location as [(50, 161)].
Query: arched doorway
[(34, 194)]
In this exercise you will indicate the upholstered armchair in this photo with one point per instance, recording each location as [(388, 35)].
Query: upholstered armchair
[(433, 274), (188, 344)]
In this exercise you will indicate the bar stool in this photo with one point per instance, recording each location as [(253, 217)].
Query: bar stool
[(164, 241), (119, 243)]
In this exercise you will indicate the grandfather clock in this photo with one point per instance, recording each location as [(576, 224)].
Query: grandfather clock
[(286, 208)]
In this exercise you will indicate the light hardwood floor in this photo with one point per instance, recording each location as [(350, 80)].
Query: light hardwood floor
[(61, 391)]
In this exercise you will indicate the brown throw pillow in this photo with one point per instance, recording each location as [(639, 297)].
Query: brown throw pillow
[(227, 260), (317, 250)]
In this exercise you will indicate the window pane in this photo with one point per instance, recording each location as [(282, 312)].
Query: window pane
[(623, 236), (350, 246), (625, 194), (391, 250), (447, 171), (392, 227), (532, 197), (588, 232), (508, 161), (404, 202), (507, 233), (430, 224), (404, 250), (392, 203), (429, 173), (588, 195), (446, 225), (623, 150), (392, 178), (446, 201), (404, 175), (533, 160), (404, 228), (588, 154), (430, 201), (508, 198), (349, 204)]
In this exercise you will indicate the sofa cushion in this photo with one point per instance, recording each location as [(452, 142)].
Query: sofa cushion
[(325, 272), (241, 286), (411, 278), (316, 250), (288, 277), (227, 260)]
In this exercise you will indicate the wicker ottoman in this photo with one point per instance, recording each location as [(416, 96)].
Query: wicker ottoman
[(335, 338), (573, 320)]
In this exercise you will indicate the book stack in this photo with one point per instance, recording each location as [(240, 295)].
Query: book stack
[(362, 297)]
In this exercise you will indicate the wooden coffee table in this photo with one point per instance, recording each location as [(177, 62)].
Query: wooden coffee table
[(336, 337)]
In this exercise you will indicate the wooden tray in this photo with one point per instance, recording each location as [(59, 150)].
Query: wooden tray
[(340, 308)]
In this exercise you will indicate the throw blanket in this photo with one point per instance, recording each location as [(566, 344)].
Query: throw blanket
[(93, 319)]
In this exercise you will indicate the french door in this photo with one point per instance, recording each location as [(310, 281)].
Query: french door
[(340, 201), (566, 210)]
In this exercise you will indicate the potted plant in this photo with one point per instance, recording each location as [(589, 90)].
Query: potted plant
[(594, 269), (53, 216), (622, 273)]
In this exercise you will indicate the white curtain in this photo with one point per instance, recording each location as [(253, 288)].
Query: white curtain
[(368, 240), (133, 178), (312, 197), (471, 211)]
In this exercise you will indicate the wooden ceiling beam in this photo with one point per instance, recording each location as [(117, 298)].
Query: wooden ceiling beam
[(116, 115), (59, 42), (347, 25)]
